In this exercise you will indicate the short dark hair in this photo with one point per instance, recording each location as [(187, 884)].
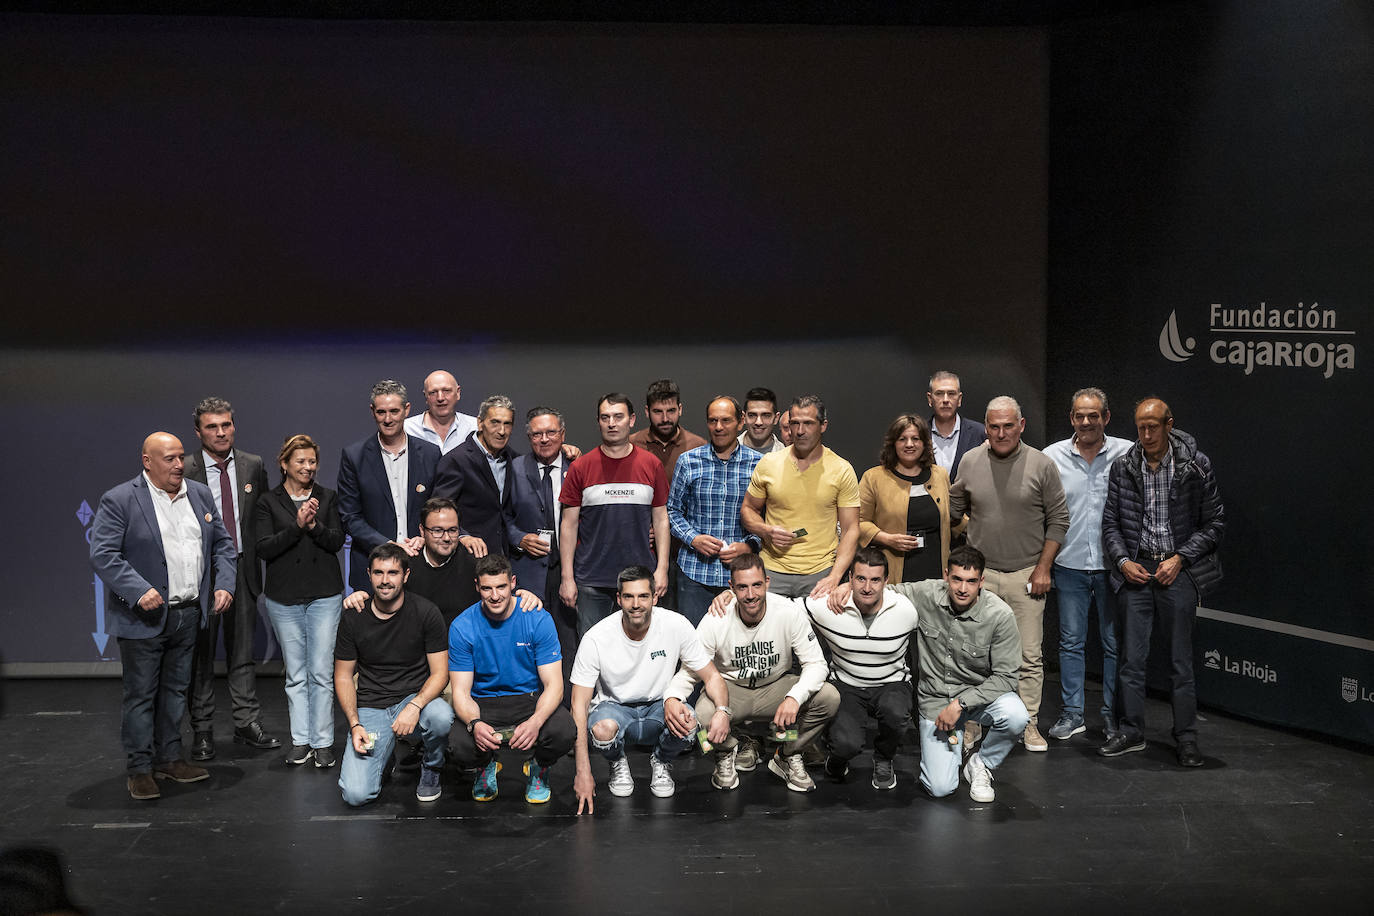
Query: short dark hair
[(212, 405), (493, 564), (665, 389), (614, 397), (761, 394), (888, 456), (967, 557), (435, 504), (804, 401), (745, 562), (739, 411), (535, 413), (389, 551), (869, 556), (634, 574)]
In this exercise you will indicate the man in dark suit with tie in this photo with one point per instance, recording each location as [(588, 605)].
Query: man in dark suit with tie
[(168, 563), (476, 475), (383, 481), (532, 515), (951, 435), (236, 479)]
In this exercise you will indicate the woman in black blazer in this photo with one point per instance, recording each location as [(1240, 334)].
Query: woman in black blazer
[(299, 536)]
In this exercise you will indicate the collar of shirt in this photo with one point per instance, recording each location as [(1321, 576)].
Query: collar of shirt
[(889, 599), (404, 445), (953, 434), (171, 497), (1165, 464), (974, 612), (432, 564), (209, 461)]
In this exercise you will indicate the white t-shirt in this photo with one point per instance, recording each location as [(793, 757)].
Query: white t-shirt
[(630, 672)]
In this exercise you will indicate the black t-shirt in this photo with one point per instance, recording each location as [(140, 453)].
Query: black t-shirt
[(922, 517), (391, 653), (450, 586)]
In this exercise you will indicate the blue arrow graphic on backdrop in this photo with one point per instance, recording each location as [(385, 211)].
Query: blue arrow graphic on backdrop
[(102, 639)]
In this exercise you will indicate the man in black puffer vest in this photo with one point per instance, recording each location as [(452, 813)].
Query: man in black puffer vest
[(1160, 530)]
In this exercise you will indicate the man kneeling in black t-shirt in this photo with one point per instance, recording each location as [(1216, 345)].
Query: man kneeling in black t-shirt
[(399, 650)]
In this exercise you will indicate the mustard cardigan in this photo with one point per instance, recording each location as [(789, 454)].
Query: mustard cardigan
[(883, 501)]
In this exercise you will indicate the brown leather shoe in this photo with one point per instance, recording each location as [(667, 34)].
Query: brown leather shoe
[(142, 787), (180, 771)]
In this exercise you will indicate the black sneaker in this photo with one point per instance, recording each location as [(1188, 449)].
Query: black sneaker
[(1121, 743), (410, 757), (1189, 755), (324, 757), (300, 754), (884, 775), (836, 768)]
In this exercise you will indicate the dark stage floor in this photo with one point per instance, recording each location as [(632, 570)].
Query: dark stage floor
[(1274, 822)]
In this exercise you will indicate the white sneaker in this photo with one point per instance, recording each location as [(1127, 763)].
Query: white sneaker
[(725, 776), (792, 770), (660, 778), (621, 782), (979, 779)]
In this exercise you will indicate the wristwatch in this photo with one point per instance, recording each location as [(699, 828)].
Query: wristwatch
[(726, 710), (473, 724)]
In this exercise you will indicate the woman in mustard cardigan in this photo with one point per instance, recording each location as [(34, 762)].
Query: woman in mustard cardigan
[(904, 503)]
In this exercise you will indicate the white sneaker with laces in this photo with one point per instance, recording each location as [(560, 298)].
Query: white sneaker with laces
[(725, 776), (792, 770), (621, 782), (979, 779), (660, 777)]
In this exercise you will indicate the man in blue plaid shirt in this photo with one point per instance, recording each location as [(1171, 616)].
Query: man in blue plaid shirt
[(703, 508)]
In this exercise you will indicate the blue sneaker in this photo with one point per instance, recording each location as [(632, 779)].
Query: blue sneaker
[(428, 789), (484, 786), (537, 789)]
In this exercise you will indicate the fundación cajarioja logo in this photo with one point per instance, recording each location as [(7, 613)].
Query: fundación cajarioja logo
[(1305, 336)]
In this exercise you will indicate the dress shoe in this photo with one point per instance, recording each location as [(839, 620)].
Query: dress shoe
[(1121, 743), (180, 771), (142, 787), (253, 736), (203, 747), (1189, 755)]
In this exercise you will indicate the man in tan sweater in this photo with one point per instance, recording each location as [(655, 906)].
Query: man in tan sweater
[(1018, 517)]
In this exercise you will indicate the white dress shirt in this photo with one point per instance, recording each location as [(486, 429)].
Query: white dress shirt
[(180, 530), (398, 473)]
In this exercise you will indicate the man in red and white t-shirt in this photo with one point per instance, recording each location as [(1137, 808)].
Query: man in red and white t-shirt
[(612, 496)]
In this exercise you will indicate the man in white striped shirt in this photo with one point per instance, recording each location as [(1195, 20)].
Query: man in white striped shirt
[(868, 641)]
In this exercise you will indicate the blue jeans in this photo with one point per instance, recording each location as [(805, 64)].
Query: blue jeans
[(1003, 721), (306, 635), (157, 673), (360, 775), (1078, 589), (640, 725), (693, 598)]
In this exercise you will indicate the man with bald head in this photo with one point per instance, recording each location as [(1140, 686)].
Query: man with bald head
[(441, 424), (168, 562), (1018, 518), (1161, 526)]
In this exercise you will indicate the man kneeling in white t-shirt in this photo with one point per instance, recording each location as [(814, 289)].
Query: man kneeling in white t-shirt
[(622, 670)]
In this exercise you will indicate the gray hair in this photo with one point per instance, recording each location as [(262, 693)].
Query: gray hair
[(212, 405), (1097, 393), (495, 401), (1003, 402), (535, 413), (388, 386), (942, 373)]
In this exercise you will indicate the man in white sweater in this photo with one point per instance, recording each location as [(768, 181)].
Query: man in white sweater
[(753, 646)]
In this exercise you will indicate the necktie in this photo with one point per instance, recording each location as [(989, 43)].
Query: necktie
[(547, 486), (226, 499)]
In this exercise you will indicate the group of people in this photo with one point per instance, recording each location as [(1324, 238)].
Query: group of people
[(663, 590)]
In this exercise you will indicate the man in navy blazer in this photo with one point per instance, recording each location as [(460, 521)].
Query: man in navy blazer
[(950, 434), (168, 563), (532, 514), (476, 476), (383, 481)]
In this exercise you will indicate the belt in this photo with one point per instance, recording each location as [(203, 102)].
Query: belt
[(182, 605), (1159, 556)]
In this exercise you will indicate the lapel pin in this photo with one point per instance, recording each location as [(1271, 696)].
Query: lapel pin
[(419, 488), (248, 488), (209, 518)]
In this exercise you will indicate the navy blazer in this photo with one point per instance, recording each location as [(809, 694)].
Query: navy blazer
[(252, 480), (365, 505), (971, 435), (126, 553), (465, 477), (524, 513)]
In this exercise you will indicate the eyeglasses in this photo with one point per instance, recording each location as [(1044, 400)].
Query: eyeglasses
[(443, 532), (547, 435)]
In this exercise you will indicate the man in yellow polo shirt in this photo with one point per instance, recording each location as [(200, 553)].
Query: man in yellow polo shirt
[(795, 498)]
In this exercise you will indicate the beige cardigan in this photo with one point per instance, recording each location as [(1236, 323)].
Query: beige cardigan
[(883, 501)]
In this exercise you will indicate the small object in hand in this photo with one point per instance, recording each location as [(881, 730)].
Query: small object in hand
[(505, 734), (799, 533), (784, 734), (953, 738), (702, 740), (369, 740)]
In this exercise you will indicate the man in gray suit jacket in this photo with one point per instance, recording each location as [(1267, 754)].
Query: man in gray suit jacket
[(168, 562), (236, 479)]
